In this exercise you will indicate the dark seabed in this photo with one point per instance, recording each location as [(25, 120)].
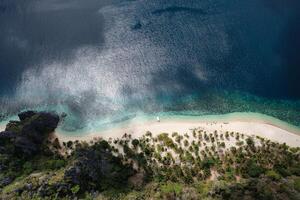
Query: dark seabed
[(111, 59)]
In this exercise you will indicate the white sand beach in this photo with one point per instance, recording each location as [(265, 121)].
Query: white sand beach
[(248, 127), (248, 124), (2, 127)]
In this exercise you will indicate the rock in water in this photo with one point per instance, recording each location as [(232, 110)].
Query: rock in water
[(28, 134), (40, 126)]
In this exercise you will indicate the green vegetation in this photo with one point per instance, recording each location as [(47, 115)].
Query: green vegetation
[(170, 187), (273, 175), (75, 189), (202, 165), (297, 184)]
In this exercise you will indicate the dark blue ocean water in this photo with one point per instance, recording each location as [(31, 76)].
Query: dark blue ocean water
[(96, 59)]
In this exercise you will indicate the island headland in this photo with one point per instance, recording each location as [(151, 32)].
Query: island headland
[(165, 159)]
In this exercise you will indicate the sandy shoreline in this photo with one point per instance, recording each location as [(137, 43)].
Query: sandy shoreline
[(2, 127), (248, 124), (137, 129)]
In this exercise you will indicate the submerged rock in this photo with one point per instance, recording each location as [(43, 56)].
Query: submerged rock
[(137, 26)]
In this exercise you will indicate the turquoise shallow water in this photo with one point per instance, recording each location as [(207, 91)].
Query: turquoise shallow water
[(223, 102), (213, 105)]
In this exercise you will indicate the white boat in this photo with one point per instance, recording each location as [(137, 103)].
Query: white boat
[(158, 119)]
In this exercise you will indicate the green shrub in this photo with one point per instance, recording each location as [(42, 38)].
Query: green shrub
[(295, 170), (168, 142), (135, 142), (297, 184), (75, 189), (252, 169), (204, 187), (54, 164), (282, 170), (186, 143), (128, 151), (229, 175), (273, 175), (27, 167), (207, 163), (170, 187), (250, 141), (174, 134)]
